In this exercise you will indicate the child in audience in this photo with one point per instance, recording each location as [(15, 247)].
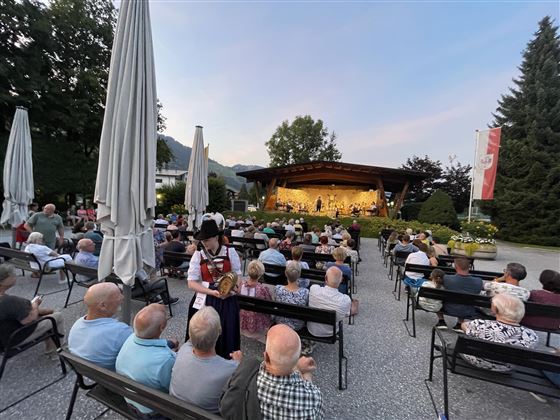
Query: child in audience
[(435, 282)]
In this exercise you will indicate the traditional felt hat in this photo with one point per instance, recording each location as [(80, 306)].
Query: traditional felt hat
[(208, 229)]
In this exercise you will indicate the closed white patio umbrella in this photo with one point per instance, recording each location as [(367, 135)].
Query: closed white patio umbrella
[(125, 187), (196, 192), (18, 172)]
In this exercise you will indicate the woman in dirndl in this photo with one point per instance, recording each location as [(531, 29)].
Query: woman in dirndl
[(207, 265)]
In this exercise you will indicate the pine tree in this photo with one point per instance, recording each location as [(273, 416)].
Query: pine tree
[(526, 205), (439, 209)]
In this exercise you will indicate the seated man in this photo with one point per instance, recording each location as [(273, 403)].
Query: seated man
[(284, 379), (328, 297), (509, 311), (464, 283), (85, 256), (404, 245), (509, 282), (272, 255), (145, 357), (94, 236), (97, 336), (197, 361)]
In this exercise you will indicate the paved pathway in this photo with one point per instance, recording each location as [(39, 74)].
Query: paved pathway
[(386, 367)]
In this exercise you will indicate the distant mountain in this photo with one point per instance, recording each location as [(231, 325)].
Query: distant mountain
[(182, 155)]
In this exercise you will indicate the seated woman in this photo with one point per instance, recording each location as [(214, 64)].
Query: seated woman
[(45, 255), (549, 295), (432, 256), (82, 214), (289, 241), (509, 311), (91, 215), (297, 253), (339, 255), (292, 293), (435, 282), (254, 325)]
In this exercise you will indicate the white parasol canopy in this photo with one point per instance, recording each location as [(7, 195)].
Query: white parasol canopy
[(196, 192), (125, 188), (18, 172)]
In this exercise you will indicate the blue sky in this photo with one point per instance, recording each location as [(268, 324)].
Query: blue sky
[(392, 79)]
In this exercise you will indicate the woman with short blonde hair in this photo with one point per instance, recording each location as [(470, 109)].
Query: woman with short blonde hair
[(254, 325)]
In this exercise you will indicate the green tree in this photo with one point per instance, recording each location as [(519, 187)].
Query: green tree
[(439, 209), (217, 196), (424, 189), (526, 206), (457, 183), (243, 193), (170, 195), (304, 140)]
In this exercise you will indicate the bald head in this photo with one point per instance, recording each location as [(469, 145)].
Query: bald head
[(103, 300), (150, 322), (283, 348), (86, 245), (49, 209), (333, 277), (273, 243)]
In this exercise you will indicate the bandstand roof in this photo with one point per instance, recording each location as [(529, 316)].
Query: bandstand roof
[(339, 173)]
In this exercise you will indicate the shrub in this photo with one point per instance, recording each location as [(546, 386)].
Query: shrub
[(410, 211), (439, 209), (479, 229)]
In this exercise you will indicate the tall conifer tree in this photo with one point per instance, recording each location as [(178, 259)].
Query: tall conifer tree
[(526, 207)]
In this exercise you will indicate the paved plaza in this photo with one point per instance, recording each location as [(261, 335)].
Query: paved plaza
[(386, 367)]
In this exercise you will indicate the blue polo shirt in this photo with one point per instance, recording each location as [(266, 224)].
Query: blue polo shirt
[(98, 340), (148, 362)]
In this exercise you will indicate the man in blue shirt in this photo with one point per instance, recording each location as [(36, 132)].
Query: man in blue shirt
[(145, 357), (98, 337), (272, 256), (94, 236), (464, 283), (85, 256)]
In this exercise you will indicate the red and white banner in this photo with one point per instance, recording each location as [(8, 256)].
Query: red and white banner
[(486, 164)]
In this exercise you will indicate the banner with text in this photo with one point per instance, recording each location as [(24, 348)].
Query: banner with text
[(486, 164)]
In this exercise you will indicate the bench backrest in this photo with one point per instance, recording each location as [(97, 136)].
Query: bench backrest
[(304, 313), (455, 297), (317, 275), (175, 259), (426, 270), (88, 272), (164, 404), (18, 256), (505, 353)]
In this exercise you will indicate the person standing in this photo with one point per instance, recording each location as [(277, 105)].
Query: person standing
[(318, 204), (48, 223), (206, 267)]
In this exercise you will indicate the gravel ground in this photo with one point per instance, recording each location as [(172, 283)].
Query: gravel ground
[(386, 367)]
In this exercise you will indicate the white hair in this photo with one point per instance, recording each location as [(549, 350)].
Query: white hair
[(509, 306), (205, 328), (34, 238), (293, 271)]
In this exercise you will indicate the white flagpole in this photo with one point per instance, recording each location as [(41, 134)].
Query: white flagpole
[(472, 177)]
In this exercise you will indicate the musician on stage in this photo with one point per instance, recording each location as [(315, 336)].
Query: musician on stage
[(318, 204)]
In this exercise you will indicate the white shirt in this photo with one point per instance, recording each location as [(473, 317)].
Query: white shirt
[(194, 265), (419, 258), (290, 227), (327, 298), (41, 252)]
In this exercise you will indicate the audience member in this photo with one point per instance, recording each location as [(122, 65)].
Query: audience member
[(16, 312), (435, 282), (412, 279), (441, 249), (292, 293), (288, 242), (460, 282), (97, 336), (549, 295), (85, 256), (432, 256), (45, 255), (307, 243), (147, 358), (48, 223), (254, 324), (272, 256), (94, 236), (509, 282), (509, 311), (297, 254), (284, 386), (199, 374), (328, 297), (339, 255)]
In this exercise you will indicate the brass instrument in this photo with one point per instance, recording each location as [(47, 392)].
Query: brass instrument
[(227, 283)]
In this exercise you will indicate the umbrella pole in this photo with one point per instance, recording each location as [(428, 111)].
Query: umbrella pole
[(125, 312), (13, 237)]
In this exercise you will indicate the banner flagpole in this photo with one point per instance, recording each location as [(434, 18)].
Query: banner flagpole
[(472, 176)]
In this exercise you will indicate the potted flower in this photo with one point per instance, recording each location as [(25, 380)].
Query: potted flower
[(476, 240)]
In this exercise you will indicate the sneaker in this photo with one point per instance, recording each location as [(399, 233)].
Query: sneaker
[(171, 301), (441, 325), (457, 328)]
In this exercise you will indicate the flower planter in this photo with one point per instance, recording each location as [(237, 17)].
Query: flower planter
[(482, 251)]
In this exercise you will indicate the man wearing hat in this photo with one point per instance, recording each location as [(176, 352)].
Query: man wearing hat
[(207, 266)]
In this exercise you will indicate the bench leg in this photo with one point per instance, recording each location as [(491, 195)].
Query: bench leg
[(432, 357), (413, 309), (3, 365), (73, 400), (70, 286), (548, 339), (38, 284), (445, 390), (342, 359)]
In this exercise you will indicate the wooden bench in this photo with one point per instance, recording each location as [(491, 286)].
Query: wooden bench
[(307, 314), (450, 259), (24, 261), (526, 373), (87, 277), (172, 261), (110, 389)]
